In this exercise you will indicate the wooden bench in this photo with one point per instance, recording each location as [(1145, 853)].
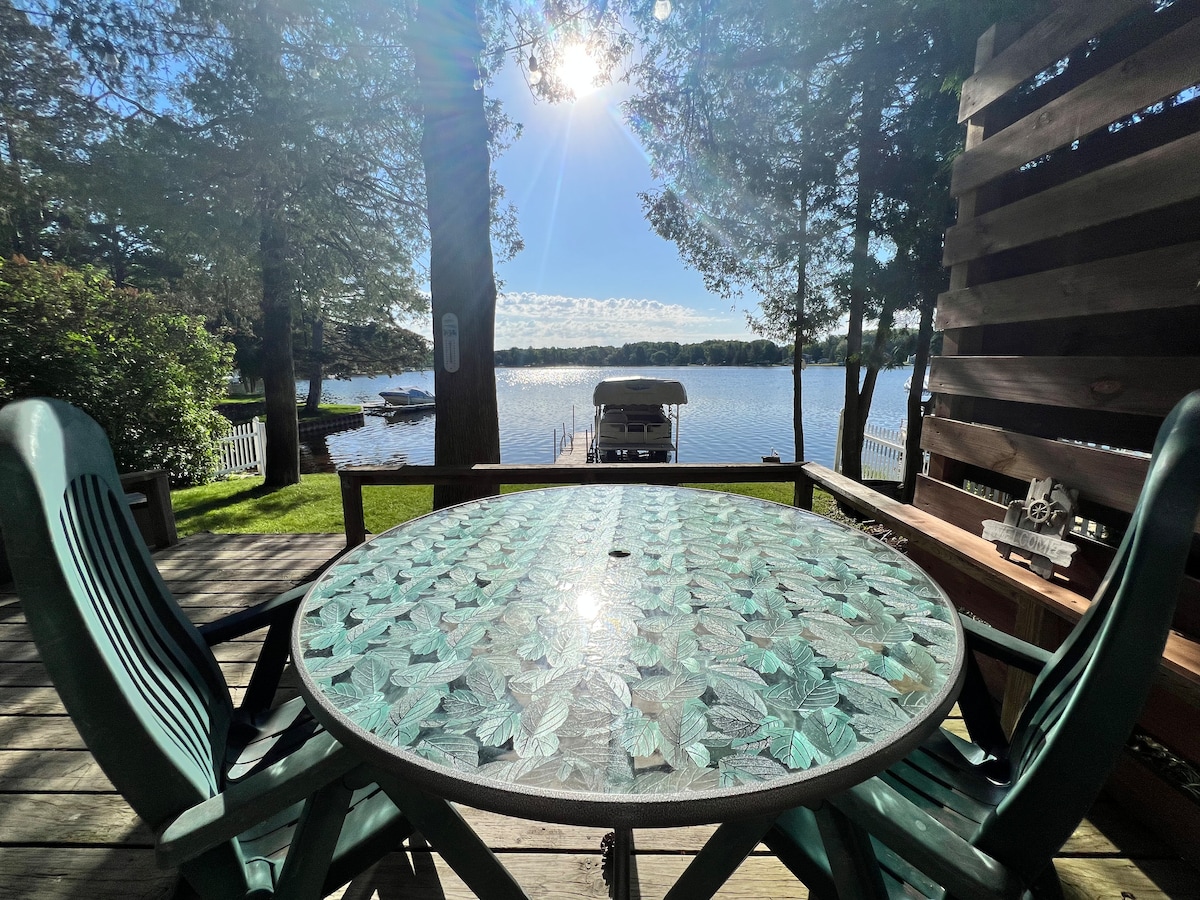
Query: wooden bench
[(149, 496), (931, 538)]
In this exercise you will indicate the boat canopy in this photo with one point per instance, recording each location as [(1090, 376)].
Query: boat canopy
[(634, 389)]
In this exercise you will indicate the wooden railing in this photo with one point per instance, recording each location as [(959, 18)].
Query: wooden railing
[(354, 478)]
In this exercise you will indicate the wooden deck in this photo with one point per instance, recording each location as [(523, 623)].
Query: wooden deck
[(64, 832)]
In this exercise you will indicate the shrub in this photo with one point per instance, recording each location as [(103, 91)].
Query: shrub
[(149, 375)]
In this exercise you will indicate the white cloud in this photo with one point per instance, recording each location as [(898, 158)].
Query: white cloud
[(542, 320)]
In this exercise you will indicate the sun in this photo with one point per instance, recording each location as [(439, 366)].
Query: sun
[(578, 71)]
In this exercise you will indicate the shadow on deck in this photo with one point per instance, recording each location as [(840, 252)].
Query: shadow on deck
[(65, 833)]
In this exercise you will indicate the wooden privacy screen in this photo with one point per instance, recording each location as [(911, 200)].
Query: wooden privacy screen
[(1072, 322)]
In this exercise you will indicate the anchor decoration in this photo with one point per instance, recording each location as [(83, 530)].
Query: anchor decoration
[(1036, 525)]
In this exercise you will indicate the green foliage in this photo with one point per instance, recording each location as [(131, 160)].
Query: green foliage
[(45, 122), (898, 345), (651, 353), (350, 350), (150, 376)]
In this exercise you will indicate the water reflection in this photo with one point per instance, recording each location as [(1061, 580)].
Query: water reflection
[(734, 414), (386, 437)]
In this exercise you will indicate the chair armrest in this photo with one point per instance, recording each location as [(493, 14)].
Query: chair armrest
[(255, 617), (255, 799), (278, 613), (926, 843), (1004, 647)]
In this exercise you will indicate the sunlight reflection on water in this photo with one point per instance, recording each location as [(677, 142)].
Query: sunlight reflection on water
[(733, 414)]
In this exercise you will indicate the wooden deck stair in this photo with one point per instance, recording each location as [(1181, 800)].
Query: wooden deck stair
[(64, 833)]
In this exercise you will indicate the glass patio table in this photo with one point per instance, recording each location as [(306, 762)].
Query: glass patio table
[(623, 656)]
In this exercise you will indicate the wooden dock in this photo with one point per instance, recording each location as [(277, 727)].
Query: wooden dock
[(65, 833), (574, 451)]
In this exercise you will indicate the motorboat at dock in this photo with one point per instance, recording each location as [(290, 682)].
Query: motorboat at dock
[(405, 399)]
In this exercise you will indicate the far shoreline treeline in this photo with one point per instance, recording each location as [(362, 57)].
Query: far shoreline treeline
[(831, 349)]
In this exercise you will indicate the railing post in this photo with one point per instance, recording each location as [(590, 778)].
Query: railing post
[(353, 517), (837, 447), (155, 517), (803, 495)]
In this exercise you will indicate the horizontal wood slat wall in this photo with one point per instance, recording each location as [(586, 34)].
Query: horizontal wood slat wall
[(1072, 320), (1039, 48), (1147, 182), (1164, 68), (1100, 476), (1155, 279), (1148, 386)]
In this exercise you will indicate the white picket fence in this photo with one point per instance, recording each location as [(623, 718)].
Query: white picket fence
[(882, 451), (244, 448)]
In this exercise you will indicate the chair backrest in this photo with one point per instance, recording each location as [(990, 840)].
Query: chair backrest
[(1084, 704), (136, 677)]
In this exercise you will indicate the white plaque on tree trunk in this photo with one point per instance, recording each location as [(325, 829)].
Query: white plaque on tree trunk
[(450, 342)]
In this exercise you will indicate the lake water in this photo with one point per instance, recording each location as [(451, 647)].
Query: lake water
[(733, 414)]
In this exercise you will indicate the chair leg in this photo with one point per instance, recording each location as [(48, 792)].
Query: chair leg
[(1047, 886), (979, 715), (268, 671), (316, 837), (184, 891), (852, 859)]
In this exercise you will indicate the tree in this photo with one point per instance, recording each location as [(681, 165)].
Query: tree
[(747, 162), (773, 124), (284, 137), (346, 350), (901, 65), (454, 148), (150, 376), (47, 126)]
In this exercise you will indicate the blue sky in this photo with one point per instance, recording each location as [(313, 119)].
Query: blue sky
[(592, 271)]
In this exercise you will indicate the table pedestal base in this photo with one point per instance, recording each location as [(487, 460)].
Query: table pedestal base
[(720, 856), (454, 840), (617, 861)]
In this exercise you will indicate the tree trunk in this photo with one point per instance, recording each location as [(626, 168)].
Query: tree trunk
[(916, 387), (870, 122), (282, 465), (316, 374), (462, 283), (25, 235), (801, 336), (118, 270), (875, 362)]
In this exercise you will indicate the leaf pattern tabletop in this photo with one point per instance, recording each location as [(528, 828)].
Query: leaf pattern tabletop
[(629, 640)]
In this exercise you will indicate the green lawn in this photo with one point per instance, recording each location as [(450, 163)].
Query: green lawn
[(244, 506)]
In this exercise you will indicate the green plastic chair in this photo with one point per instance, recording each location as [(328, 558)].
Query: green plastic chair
[(984, 818), (255, 802)]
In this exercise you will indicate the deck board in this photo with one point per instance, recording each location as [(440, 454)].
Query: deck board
[(65, 833)]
